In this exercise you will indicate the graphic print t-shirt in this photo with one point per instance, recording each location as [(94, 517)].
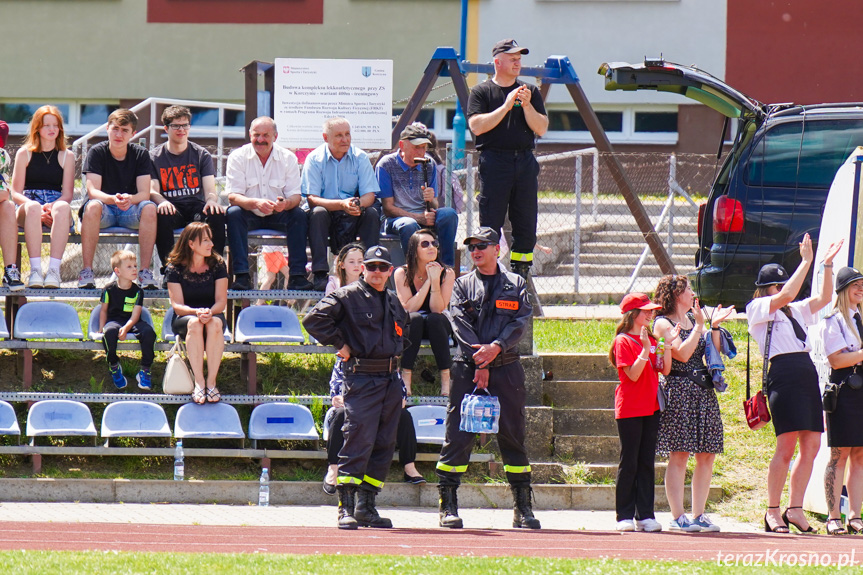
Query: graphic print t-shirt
[(181, 176), (121, 302)]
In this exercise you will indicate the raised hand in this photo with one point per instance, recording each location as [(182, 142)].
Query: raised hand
[(832, 250), (806, 249)]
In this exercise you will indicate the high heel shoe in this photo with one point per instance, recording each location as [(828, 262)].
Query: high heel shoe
[(789, 522), (776, 528)]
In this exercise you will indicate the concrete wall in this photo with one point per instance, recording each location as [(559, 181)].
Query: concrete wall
[(106, 49)]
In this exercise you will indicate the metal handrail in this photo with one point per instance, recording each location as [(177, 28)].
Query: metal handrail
[(151, 131)]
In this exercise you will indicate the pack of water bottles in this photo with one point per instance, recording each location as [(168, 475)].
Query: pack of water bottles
[(480, 413)]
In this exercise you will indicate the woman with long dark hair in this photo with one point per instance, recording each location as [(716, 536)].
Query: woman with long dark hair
[(424, 286), (198, 290), (691, 422), (792, 382)]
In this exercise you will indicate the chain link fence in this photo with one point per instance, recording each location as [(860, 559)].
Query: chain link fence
[(589, 248)]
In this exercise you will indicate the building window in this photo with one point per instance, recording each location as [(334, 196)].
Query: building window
[(210, 117), (656, 122), (426, 116), (96, 114), (21, 112), (564, 121)]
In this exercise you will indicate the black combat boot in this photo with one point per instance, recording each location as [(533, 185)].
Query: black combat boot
[(520, 268), (522, 512), (365, 512), (347, 503), (449, 507)]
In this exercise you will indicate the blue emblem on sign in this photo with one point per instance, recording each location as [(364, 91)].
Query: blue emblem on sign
[(367, 71)]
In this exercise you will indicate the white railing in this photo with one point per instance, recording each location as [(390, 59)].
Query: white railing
[(153, 131)]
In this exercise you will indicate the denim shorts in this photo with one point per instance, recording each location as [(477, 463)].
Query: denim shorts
[(112, 216), (43, 196)]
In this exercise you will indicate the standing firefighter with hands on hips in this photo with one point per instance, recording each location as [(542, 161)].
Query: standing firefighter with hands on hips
[(490, 310), (365, 322)]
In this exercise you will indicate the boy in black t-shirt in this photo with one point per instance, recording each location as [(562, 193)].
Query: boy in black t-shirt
[(122, 306)]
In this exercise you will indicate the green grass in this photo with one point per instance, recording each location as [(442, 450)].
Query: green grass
[(582, 336), (86, 563)]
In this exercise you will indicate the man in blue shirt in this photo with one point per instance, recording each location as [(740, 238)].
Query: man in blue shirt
[(408, 201), (339, 183)]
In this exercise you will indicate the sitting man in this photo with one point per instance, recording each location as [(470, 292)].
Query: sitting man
[(263, 185), (408, 200), (339, 184), (183, 185), (118, 194)]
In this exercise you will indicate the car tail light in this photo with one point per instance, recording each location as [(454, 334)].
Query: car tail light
[(701, 208), (727, 215)]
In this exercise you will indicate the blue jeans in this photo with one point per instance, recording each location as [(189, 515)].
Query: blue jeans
[(445, 225), (291, 222)]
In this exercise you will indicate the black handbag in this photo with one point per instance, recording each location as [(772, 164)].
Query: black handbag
[(830, 396)]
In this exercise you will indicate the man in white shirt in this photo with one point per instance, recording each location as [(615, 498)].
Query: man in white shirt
[(263, 184)]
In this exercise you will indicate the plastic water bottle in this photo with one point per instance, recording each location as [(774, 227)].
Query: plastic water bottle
[(478, 413), (660, 354), (487, 416), (465, 413), (495, 416), (264, 490), (179, 466)]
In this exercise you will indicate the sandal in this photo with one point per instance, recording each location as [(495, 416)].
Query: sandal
[(199, 396), (789, 522), (834, 527), (854, 525), (213, 395), (775, 528)]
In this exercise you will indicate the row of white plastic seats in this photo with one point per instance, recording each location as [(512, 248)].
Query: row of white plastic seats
[(59, 320), (428, 422), (277, 420), (63, 417)]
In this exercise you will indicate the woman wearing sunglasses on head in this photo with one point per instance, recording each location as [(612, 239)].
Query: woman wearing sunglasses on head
[(424, 286)]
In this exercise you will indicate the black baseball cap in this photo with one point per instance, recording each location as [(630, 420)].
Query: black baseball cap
[(771, 274), (417, 134), (846, 277), (508, 46), (484, 234), (377, 254)]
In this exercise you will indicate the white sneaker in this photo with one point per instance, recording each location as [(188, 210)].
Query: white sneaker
[(625, 525), (649, 525), (52, 279), (683, 523), (35, 280), (706, 524), (146, 280)]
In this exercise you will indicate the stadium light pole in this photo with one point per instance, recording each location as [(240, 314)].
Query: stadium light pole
[(458, 122)]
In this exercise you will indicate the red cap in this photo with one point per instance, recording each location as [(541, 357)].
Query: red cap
[(636, 300), (4, 131)]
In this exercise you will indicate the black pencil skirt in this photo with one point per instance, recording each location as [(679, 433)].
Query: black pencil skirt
[(793, 394)]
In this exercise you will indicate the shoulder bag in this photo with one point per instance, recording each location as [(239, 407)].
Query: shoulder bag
[(755, 407), (178, 377)]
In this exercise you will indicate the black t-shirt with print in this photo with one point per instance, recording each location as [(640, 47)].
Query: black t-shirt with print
[(121, 302)]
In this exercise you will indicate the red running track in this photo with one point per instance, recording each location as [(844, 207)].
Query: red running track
[(466, 542)]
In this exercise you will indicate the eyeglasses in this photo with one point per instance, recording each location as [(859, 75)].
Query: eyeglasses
[(179, 126), (378, 267), (427, 243), (480, 247)]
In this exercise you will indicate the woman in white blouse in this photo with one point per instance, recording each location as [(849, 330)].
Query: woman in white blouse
[(841, 333), (792, 382)]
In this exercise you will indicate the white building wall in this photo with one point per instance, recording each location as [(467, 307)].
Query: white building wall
[(591, 32)]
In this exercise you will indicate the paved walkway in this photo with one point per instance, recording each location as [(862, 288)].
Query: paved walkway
[(305, 516)]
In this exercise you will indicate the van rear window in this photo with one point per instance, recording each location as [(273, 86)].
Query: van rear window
[(821, 149)]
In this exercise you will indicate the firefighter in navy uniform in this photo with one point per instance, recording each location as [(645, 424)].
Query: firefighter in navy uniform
[(365, 322), (490, 310)]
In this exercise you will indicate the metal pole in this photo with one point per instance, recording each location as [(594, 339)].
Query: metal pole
[(468, 161), (576, 243), (595, 208), (672, 179), (448, 177), (458, 123), (220, 142)]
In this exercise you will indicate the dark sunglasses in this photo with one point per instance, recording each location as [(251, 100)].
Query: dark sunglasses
[(427, 243), (480, 247), (378, 267)]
